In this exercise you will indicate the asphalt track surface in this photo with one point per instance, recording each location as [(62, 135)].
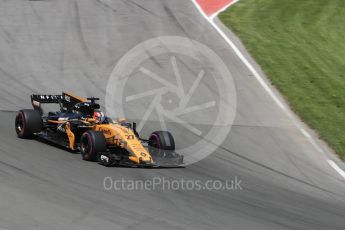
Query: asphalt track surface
[(50, 46)]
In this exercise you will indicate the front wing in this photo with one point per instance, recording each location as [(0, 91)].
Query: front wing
[(170, 160)]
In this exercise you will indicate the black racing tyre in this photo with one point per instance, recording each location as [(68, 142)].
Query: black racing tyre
[(27, 123), (91, 143), (162, 140)]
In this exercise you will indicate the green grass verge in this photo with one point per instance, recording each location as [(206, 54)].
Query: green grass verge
[(300, 45)]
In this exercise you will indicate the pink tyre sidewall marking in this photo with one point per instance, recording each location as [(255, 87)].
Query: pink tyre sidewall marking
[(157, 142), (90, 143), (22, 121)]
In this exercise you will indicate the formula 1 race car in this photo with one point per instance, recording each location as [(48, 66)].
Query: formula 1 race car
[(79, 125)]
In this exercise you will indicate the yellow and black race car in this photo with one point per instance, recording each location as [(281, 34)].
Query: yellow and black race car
[(79, 125)]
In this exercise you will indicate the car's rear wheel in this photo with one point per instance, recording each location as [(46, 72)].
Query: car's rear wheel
[(160, 141), (27, 123), (92, 143)]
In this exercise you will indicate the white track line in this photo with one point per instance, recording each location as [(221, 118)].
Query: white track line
[(262, 82), (336, 168)]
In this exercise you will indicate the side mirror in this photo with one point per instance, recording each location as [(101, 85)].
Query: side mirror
[(96, 106), (135, 129)]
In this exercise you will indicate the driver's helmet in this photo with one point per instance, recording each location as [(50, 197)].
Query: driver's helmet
[(98, 116)]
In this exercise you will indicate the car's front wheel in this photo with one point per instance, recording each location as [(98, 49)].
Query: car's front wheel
[(160, 141), (92, 143)]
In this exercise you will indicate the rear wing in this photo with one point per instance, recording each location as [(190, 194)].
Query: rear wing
[(65, 100)]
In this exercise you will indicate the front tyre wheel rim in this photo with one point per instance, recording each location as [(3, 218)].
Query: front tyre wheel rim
[(85, 148), (20, 125)]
